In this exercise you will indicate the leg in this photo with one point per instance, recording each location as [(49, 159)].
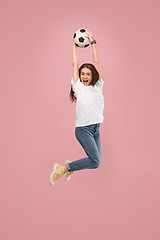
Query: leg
[(85, 136), (97, 140)]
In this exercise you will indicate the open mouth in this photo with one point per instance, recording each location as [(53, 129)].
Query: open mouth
[(85, 81)]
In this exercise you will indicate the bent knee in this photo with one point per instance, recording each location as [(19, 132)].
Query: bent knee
[(96, 162), (97, 165)]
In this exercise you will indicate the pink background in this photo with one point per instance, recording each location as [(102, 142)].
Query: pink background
[(119, 200)]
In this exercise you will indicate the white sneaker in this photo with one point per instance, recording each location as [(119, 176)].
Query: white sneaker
[(67, 174), (58, 171)]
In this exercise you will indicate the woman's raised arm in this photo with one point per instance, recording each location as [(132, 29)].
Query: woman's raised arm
[(95, 53), (74, 62)]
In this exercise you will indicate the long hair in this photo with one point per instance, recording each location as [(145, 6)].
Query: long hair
[(95, 77)]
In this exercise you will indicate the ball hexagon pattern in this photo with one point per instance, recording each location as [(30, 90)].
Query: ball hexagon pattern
[(80, 39)]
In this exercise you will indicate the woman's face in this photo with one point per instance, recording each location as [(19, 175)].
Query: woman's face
[(86, 76)]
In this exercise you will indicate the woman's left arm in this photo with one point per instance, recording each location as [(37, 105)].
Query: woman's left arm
[(95, 53)]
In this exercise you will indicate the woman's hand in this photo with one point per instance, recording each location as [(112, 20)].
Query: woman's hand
[(73, 42), (90, 36)]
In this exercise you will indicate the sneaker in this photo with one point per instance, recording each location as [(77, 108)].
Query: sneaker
[(67, 174), (58, 171)]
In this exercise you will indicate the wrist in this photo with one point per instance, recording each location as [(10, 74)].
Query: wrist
[(74, 46), (93, 42)]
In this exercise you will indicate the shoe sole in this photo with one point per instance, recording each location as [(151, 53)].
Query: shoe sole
[(51, 182)]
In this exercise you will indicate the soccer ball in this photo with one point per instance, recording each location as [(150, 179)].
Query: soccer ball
[(80, 39)]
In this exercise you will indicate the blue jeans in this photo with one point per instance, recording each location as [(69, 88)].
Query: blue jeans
[(89, 138)]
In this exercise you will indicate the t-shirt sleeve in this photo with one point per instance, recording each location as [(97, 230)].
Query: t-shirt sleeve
[(75, 86), (100, 83)]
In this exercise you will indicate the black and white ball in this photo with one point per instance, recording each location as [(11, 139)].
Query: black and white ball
[(80, 39)]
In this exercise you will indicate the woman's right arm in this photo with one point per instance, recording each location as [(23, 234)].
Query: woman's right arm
[(75, 62)]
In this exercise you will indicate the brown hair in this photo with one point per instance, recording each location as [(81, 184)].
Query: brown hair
[(95, 77)]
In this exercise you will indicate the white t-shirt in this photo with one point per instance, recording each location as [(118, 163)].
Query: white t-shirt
[(90, 103)]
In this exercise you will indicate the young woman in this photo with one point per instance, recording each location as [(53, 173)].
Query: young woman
[(86, 91)]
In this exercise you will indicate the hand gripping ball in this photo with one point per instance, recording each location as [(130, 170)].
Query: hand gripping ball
[(80, 39)]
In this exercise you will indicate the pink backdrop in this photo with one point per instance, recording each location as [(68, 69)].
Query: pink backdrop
[(119, 200)]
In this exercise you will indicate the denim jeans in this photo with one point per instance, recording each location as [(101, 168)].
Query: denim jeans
[(89, 138)]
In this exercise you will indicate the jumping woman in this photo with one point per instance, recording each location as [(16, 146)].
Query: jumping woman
[(86, 91)]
